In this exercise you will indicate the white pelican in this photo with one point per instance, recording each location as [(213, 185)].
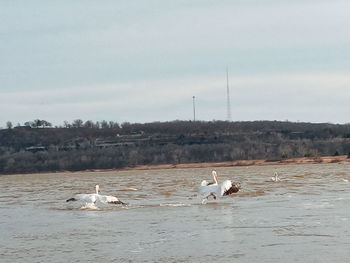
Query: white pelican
[(215, 189), (275, 178), (96, 197)]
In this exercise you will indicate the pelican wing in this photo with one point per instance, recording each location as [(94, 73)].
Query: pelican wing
[(228, 188), (206, 190), (225, 186), (109, 199), (87, 198), (275, 179)]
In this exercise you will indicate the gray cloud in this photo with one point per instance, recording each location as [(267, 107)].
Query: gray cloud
[(144, 60)]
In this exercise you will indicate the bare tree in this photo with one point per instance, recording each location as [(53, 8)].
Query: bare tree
[(46, 123), (66, 124), (78, 123), (9, 125), (104, 124), (37, 123), (89, 124)]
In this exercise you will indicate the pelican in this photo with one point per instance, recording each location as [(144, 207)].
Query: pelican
[(96, 197), (216, 189), (275, 178)]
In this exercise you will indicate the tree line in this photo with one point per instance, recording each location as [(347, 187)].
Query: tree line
[(78, 123), (104, 145)]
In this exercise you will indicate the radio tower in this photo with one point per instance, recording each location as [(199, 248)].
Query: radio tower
[(194, 108), (228, 98)]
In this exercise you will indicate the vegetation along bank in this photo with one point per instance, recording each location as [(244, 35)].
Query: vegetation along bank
[(108, 145)]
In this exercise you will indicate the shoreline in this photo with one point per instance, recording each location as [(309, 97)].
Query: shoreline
[(255, 162), (258, 162)]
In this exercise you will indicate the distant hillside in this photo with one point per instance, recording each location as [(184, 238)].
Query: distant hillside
[(27, 149)]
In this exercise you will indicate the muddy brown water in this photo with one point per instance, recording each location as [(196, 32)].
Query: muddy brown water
[(303, 218)]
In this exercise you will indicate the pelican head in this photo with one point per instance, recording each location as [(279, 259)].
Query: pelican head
[(97, 187), (215, 176)]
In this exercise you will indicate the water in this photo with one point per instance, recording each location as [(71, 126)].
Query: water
[(303, 218)]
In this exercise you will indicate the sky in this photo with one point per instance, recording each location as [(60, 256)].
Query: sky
[(143, 61)]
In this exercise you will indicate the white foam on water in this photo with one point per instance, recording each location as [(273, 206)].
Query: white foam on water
[(174, 205), (89, 206)]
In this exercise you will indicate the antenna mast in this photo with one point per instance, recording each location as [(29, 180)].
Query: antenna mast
[(228, 98), (194, 109)]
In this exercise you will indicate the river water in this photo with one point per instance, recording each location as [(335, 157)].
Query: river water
[(303, 218)]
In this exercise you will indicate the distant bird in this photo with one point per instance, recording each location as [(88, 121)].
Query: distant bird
[(96, 197), (214, 189), (275, 178)]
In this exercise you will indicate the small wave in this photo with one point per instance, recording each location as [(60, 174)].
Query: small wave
[(166, 193), (174, 205), (252, 193), (9, 196), (142, 196), (136, 251), (128, 189), (276, 244), (307, 235)]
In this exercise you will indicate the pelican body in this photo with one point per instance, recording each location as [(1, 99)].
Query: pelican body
[(216, 189), (96, 197)]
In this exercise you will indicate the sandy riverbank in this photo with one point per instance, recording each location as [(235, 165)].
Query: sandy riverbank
[(302, 160)]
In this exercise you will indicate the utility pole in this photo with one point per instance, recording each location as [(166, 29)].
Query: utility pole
[(194, 108)]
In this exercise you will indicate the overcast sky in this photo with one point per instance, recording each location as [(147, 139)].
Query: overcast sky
[(142, 61)]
